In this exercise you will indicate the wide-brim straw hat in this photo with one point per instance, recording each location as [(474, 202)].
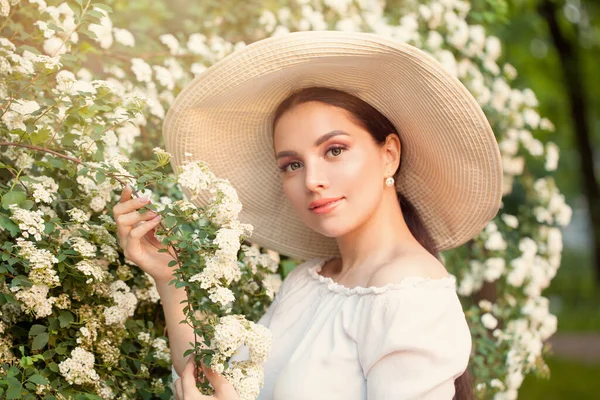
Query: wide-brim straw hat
[(451, 169)]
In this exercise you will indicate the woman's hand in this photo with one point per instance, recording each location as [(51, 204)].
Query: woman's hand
[(185, 386), (137, 239)]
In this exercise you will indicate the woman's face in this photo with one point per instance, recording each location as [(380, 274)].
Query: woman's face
[(324, 154)]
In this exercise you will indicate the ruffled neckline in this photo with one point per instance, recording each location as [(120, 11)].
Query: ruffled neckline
[(448, 282)]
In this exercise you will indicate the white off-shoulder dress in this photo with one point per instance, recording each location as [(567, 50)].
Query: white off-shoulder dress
[(408, 340)]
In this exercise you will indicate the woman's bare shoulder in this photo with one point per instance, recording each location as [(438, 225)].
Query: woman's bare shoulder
[(413, 264)]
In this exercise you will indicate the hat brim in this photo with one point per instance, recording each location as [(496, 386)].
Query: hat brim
[(451, 167)]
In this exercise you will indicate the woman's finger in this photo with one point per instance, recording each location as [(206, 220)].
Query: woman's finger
[(138, 232), (129, 205), (188, 383), (187, 376), (128, 221), (125, 194), (223, 389), (178, 390)]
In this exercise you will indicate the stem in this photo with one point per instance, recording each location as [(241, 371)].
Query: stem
[(57, 129), (10, 169), (32, 147)]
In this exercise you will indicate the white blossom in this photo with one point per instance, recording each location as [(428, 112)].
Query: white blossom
[(103, 30), (259, 340), (92, 269), (161, 349), (510, 220), (489, 321), (35, 299), (31, 223), (124, 37), (552, 155), (83, 247), (221, 295), (79, 368), (125, 301), (494, 268), (171, 42), (142, 71)]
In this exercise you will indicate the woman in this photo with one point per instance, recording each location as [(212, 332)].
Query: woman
[(363, 156)]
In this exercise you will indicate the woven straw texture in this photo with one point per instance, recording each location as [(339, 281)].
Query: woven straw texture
[(451, 166)]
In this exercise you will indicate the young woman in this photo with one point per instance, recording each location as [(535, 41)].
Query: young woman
[(364, 157)]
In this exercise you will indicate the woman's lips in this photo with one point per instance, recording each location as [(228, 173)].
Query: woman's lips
[(327, 207)]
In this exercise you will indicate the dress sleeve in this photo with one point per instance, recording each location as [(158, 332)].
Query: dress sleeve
[(413, 342)]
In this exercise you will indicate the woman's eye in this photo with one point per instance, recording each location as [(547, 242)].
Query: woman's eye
[(294, 165), (336, 151)]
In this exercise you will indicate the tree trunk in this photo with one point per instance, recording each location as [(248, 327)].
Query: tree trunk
[(570, 63)]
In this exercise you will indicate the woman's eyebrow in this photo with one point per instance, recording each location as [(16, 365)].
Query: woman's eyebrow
[(318, 142), (329, 135)]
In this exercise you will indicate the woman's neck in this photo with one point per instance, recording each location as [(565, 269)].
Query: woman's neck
[(383, 237)]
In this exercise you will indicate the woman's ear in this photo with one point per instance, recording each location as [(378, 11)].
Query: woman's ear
[(392, 150)]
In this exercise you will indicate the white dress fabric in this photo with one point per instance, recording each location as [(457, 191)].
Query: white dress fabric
[(400, 341)]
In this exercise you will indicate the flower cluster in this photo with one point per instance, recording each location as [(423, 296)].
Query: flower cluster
[(79, 368), (31, 223), (232, 332), (125, 301), (220, 277)]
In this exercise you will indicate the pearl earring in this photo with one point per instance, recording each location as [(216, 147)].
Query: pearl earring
[(389, 181)]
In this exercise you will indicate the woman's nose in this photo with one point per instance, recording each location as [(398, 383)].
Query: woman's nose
[(316, 179)]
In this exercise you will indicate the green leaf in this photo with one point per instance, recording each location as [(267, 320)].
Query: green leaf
[(12, 197), (69, 138), (65, 318), (27, 204), (7, 224), (38, 379), (29, 48), (14, 392), (40, 341), (100, 177), (55, 27), (13, 382), (102, 7), (37, 329), (170, 221), (40, 136), (94, 13), (48, 227), (88, 33), (61, 349), (65, 58)]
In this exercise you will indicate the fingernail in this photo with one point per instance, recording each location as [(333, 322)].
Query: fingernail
[(143, 199)]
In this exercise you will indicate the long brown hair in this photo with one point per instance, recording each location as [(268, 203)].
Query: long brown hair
[(379, 127)]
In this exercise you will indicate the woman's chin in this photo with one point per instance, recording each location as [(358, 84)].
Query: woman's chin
[(330, 229)]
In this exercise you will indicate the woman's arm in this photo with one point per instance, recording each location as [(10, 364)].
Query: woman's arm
[(180, 335)]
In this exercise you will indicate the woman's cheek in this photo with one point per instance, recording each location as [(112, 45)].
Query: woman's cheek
[(352, 171), (293, 191)]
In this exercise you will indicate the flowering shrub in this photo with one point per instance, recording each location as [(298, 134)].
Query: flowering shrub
[(81, 103)]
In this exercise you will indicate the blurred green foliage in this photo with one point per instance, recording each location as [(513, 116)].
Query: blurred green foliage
[(574, 296), (528, 46), (568, 380)]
